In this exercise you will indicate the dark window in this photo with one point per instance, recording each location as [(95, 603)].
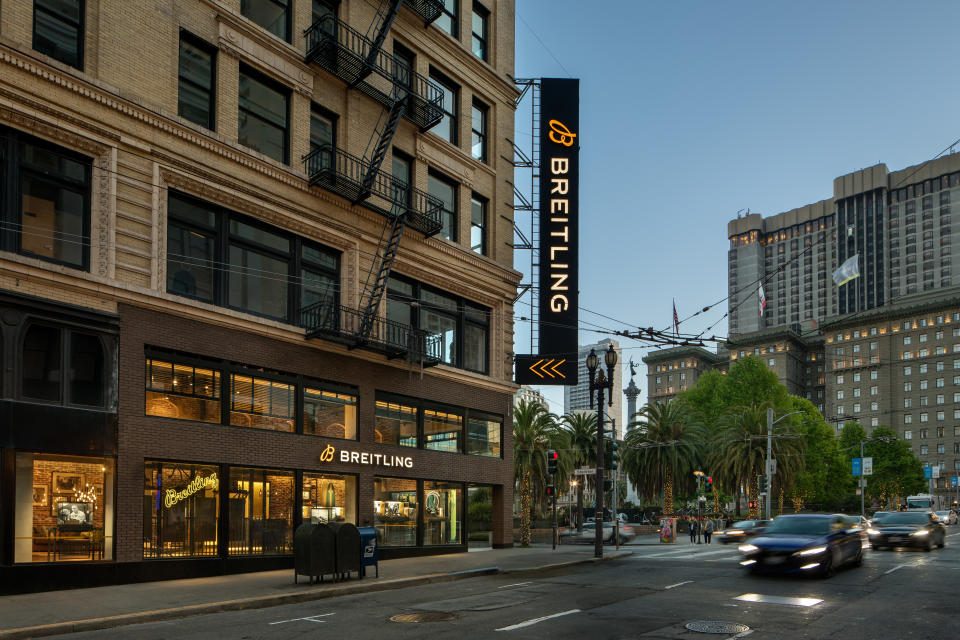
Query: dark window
[(263, 115), (52, 221), (323, 130), (86, 370), (484, 435), (481, 19), (58, 30), (448, 126), (478, 136), (404, 65), (272, 15), (267, 272), (401, 177), (478, 224), (450, 17), (443, 188), (41, 363), (459, 328), (195, 92), (324, 9)]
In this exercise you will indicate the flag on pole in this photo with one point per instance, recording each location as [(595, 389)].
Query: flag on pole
[(676, 320), (849, 270), (763, 300)]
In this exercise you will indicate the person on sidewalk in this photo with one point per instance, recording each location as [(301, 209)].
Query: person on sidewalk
[(693, 531), (708, 531)]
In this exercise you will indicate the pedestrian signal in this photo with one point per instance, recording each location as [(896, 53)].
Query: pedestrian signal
[(753, 504), (552, 458), (551, 491)]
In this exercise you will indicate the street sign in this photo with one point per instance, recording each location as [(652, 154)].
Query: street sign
[(857, 469), (859, 491), (863, 482), (868, 466), (545, 369), (927, 473), (773, 466), (584, 471), (955, 481)]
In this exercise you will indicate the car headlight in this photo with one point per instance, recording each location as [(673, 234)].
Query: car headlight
[(734, 532), (873, 532), (812, 551), (920, 532), (747, 548)]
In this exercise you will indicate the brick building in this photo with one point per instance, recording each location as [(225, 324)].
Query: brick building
[(258, 277)]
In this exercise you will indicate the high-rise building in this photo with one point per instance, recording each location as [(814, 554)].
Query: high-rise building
[(529, 394), (256, 272), (577, 398)]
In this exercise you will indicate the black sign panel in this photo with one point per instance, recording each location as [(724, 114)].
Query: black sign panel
[(559, 220), (546, 369)]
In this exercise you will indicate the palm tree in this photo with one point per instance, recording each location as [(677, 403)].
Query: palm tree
[(665, 447), (535, 432), (581, 428), (738, 452)]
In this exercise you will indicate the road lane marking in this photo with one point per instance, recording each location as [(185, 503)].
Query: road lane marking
[(515, 584), (528, 623), (796, 602), (953, 534), (899, 566), (668, 553), (307, 619), (725, 558), (679, 584)]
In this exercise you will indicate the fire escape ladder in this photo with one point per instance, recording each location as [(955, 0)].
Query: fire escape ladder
[(382, 23), (384, 137), (385, 259)]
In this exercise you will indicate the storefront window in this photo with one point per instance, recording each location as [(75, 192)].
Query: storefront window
[(441, 430), (396, 424), (329, 498), (483, 435), (395, 511), (442, 513), (63, 508), (329, 413), (181, 503), (182, 391), (261, 403), (261, 512)]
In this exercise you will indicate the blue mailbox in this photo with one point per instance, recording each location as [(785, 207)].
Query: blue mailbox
[(368, 550)]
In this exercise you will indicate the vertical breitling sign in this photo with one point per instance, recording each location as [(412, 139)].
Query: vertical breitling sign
[(555, 363)]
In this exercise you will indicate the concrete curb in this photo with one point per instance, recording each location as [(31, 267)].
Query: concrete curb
[(262, 602)]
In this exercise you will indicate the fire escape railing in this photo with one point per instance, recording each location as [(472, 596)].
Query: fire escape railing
[(343, 173)]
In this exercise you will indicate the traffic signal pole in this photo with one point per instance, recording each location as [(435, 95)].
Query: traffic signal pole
[(766, 500)]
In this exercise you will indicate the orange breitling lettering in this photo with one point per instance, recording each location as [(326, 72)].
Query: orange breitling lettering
[(560, 134), (327, 455)]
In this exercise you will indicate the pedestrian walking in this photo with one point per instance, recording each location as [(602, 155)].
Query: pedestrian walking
[(708, 531), (693, 531)]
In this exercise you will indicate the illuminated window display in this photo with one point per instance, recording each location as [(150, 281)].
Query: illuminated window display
[(181, 503), (261, 511), (395, 511), (182, 391), (396, 424), (330, 414), (63, 508), (329, 498), (442, 513), (441, 430)]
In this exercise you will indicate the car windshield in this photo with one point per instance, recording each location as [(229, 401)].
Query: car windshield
[(906, 517), (744, 524), (918, 503), (880, 515), (943, 513), (800, 526)]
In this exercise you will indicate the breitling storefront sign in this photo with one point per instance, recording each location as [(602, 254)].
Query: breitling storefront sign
[(330, 453)]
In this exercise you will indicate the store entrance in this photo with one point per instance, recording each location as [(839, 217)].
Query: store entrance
[(479, 517)]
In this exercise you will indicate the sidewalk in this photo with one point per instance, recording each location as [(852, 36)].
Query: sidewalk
[(58, 612)]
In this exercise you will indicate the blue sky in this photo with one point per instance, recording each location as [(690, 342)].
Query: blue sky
[(691, 111)]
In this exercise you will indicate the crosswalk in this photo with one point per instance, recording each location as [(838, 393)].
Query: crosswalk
[(703, 553)]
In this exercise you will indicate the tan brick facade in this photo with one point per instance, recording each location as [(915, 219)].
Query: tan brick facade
[(120, 111)]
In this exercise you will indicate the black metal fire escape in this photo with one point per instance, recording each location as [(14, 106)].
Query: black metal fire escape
[(363, 65)]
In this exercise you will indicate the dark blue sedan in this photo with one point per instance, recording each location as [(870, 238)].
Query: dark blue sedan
[(805, 544)]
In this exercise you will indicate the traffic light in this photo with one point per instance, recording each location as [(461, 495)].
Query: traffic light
[(551, 491), (753, 504), (709, 482), (607, 485), (552, 458), (612, 455), (761, 483)]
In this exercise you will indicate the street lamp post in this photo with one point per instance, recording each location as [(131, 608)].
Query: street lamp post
[(863, 479), (769, 467), (598, 383)]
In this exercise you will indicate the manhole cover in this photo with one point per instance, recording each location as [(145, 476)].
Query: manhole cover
[(423, 616), (716, 626)]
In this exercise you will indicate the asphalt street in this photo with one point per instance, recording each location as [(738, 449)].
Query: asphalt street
[(652, 594)]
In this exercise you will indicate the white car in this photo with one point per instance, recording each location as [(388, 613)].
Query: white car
[(946, 517)]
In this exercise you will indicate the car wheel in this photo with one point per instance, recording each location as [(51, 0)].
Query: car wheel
[(879, 547), (827, 568), (928, 545), (858, 559), (943, 541)]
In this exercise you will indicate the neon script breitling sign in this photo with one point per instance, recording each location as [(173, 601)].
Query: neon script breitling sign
[(363, 457), (172, 496)]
